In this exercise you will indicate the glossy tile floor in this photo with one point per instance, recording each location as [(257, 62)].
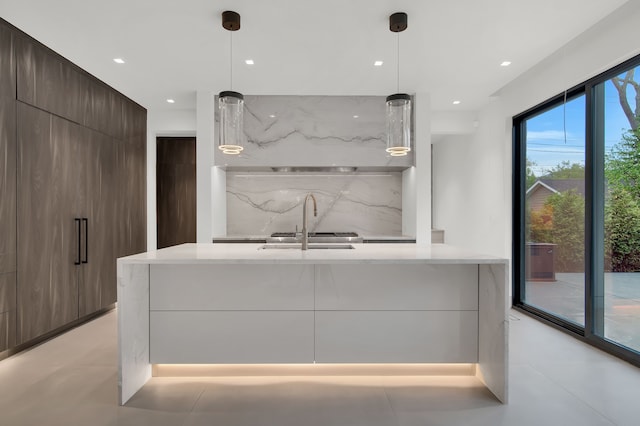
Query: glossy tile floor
[(555, 380)]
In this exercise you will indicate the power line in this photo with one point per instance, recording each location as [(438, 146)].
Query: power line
[(555, 151)]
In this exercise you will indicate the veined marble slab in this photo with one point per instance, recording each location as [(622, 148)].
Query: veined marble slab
[(134, 368), (314, 131), (263, 203), (493, 328)]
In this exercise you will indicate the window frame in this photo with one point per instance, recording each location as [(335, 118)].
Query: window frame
[(593, 330)]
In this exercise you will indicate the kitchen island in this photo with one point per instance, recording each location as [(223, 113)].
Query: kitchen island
[(375, 303)]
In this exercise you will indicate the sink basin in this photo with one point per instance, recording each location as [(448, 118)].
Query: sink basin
[(315, 237), (310, 247)]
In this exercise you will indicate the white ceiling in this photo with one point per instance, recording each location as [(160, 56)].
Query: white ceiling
[(452, 48)]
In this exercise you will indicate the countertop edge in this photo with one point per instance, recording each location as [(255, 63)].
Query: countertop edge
[(363, 254)]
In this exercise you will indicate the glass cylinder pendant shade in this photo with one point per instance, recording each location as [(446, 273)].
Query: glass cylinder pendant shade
[(231, 105), (398, 124)]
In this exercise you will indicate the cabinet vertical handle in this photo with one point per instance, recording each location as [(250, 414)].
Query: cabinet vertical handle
[(78, 232), (86, 240)]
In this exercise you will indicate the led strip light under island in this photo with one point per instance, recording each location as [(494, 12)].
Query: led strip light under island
[(377, 309)]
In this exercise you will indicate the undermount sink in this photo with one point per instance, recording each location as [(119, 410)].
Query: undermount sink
[(315, 237), (310, 247)]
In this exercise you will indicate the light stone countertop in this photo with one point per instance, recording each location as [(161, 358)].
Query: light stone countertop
[(363, 253)]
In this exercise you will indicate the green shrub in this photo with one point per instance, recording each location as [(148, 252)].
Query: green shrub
[(568, 230), (622, 232)]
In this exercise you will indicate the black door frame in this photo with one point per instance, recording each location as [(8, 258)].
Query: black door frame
[(593, 331)]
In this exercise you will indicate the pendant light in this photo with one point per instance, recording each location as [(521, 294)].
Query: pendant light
[(398, 104), (230, 103)]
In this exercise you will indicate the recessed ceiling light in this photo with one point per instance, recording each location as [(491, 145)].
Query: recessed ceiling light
[(456, 102), (118, 60), (378, 63), (249, 62), (171, 101), (356, 116), (272, 116), (505, 64)]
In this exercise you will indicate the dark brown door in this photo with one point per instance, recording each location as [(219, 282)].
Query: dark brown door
[(50, 192), (176, 191)]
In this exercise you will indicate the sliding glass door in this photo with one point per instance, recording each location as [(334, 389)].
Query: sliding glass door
[(577, 210), (617, 314), (555, 209)]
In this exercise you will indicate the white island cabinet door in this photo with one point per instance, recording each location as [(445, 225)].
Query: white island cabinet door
[(396, 287), (397, 336), (231, 287), (394, 313), (235, 313), (231, 337)]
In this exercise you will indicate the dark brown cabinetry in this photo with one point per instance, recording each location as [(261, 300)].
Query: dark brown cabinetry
[(50, 195), (72, 190), (132, 174), (73, 201), (7, 191), (7, 63), (99, 218), (7, 185), (7, 310), (47, 81)]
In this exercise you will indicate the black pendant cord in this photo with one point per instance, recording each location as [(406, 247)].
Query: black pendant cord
[(231, 60), (398, 66)]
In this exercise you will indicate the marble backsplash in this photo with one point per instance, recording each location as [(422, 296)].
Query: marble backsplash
[(263, 203), (314, 131)]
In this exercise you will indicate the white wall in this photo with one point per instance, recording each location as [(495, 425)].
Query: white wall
[(419, 188), (472, 174), (162, 123), (471, 192), (205, 176)]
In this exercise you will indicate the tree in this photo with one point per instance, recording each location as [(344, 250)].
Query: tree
[(566, 170), (622, 232), (531, 176), (622, 173), (567, 230), (541, 224), (621, 85), (622, 167)]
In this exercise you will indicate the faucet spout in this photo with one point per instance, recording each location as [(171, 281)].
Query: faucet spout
[(305, 234)]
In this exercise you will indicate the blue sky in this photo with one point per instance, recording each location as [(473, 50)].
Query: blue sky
[(558, 134)]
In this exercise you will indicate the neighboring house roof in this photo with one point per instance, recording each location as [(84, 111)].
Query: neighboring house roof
[(559, 185)]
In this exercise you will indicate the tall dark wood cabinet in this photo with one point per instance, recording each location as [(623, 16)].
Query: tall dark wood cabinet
[(99, 219), (72, 190), (7, 224), (50, 195), (7, 191), (132, 174)]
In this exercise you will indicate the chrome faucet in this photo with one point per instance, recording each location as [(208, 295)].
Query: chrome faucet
[(305, 234)]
